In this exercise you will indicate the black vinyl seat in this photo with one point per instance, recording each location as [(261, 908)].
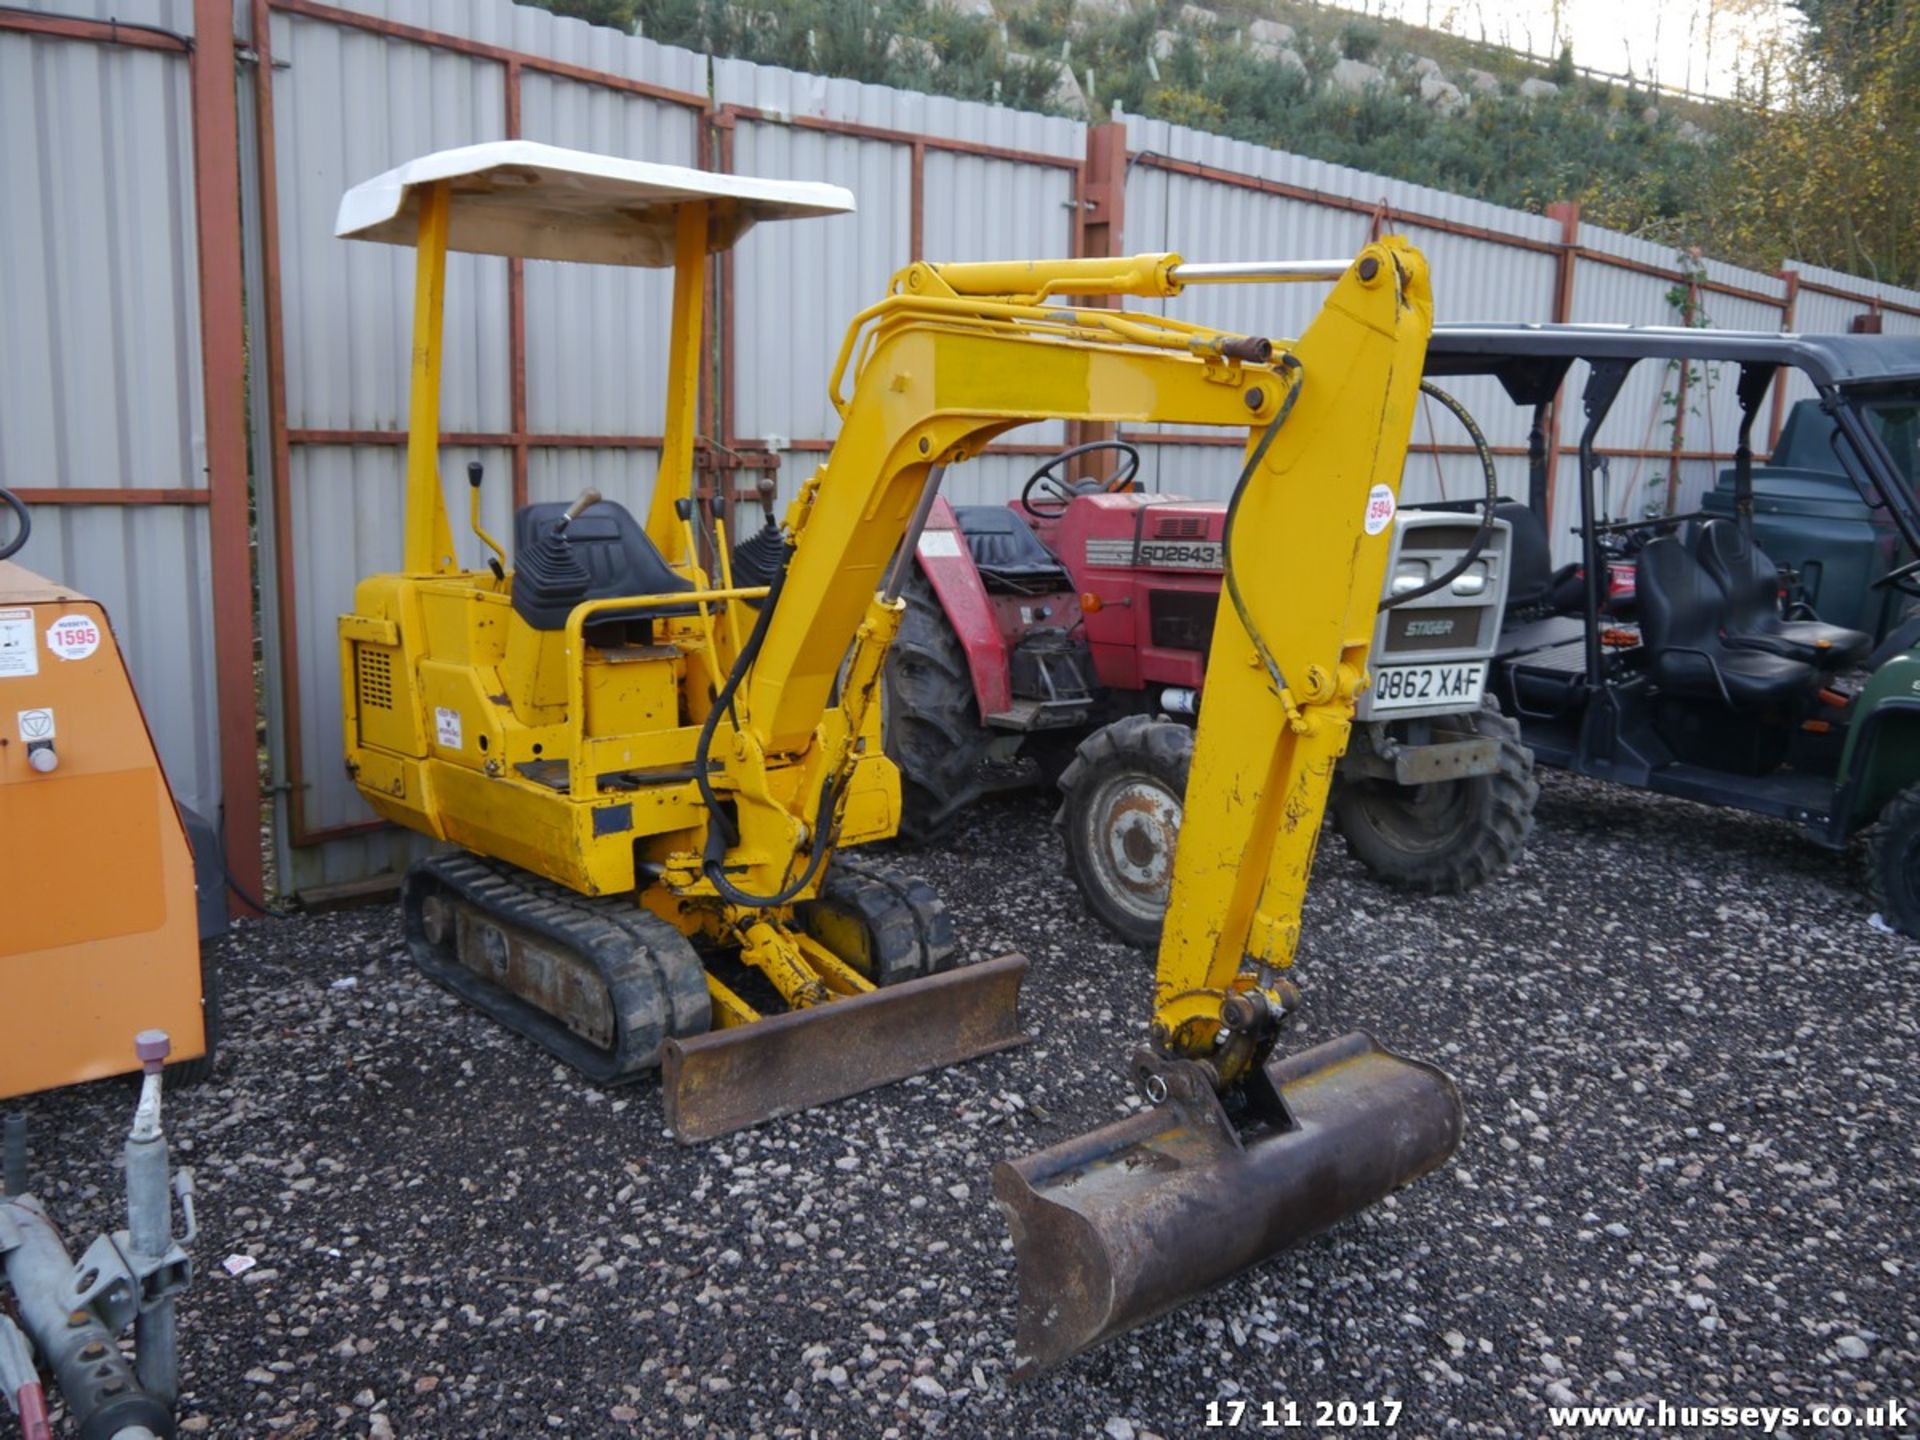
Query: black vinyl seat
[(1680, 623), (1007, 553), (1750, 583), (614, 549)]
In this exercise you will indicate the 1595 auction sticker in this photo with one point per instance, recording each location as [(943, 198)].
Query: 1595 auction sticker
[(19, 656), (73, 637)]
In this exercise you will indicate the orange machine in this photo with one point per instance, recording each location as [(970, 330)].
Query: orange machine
[(99, 935)]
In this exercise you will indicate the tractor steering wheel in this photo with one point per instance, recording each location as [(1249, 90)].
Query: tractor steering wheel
[(1060, 492), (1900, 578), (10, 548)]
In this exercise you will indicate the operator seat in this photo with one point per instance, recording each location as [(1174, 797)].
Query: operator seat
[(1750, 583), (1680, 622), (615, 550), (1006, 552)]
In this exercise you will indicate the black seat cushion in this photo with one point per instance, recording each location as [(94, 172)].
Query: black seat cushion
[(1680, 623), (1750, 582), (1007, 553), (613, 548)]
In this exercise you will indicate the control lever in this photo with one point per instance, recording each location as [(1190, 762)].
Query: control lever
[(588, 496), (497, 562)]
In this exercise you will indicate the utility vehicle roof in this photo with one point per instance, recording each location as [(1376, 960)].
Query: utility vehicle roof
[(519, 197), (1541, 353)]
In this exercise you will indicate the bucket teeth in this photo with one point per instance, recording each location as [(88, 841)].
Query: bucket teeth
[(729, 1079), (1124, 1223)]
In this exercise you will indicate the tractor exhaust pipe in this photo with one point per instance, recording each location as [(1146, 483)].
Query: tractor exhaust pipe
[(1122, 1224)]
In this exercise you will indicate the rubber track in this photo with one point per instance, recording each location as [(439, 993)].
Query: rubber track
[(653, 976), (879, 893)]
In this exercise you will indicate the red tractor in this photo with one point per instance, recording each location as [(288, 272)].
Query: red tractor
[(1067, 633)]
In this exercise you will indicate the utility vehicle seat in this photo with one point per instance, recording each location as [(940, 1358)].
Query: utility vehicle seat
[(1007, 553), (1750, 582), (1680, 622), (615, 550)]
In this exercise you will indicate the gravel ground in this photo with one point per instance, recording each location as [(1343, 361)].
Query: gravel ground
[(1689, 1174)]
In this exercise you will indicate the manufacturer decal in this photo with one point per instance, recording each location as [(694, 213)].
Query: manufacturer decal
[(1155, 554), (73, 637), (19, 656), (1380, 508), (446, 727), (1429, 627)]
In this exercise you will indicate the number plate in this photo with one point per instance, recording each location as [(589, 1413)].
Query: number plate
[(1418, 687)]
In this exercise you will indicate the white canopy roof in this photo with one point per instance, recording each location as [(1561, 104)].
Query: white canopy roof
[(519, 197)]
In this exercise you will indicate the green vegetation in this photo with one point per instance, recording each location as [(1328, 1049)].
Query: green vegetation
[(1821, 162)]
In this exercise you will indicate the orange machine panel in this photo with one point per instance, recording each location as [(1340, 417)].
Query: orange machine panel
[(98, 934)]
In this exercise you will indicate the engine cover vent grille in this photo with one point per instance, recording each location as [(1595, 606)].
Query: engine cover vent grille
[(1180, 527), (376, 678)]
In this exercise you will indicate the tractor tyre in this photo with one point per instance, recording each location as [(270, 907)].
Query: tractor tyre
[(1120, 819), (1453, 835), (1893, 862), (930, 718)]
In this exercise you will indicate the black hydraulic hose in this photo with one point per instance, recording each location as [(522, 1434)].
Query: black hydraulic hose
[(10, 548), (1485, 532), (1259, 453), (721, 831)]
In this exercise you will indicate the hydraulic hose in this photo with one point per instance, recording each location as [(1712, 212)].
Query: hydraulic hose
[(1485, 532), (721, 831), (10, 548), (1259, 453)]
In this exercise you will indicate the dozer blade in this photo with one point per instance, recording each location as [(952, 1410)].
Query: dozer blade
[(729, 1079), (1127, 1222)]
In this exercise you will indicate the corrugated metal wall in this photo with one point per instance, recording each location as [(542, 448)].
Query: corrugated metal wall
[(100, 374), (797, 287), (1205, 218)]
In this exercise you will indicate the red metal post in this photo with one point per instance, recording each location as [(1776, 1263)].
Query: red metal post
[(1102, 211), (1567, 212), (917, 202), (1791, 278), (223, 365)]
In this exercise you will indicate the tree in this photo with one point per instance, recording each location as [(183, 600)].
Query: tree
[(1822, 159), (619, 14)]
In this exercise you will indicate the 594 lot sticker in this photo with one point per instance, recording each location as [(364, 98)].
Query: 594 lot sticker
[(74, 637)]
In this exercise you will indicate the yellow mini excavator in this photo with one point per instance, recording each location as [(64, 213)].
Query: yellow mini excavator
[(650, 747)]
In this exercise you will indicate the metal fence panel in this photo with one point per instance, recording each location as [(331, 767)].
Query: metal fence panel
[(100, 365)]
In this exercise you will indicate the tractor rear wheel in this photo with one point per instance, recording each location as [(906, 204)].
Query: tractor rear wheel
[(1893, 862), (1450, 836), (930, 718), (1120, 818)]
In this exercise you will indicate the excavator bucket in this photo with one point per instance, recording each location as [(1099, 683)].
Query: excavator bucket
[(1129, 1221), (729, 1079)]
